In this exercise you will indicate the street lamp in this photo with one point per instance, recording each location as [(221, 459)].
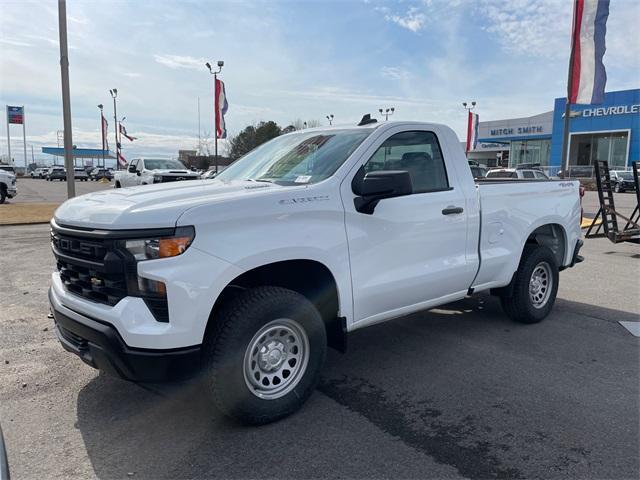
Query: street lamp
[(101, 133), (387, 112), (114, 95), (467, 107), (215, 112), (330, 118)]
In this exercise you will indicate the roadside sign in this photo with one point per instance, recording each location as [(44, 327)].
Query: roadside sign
[(15, 115)]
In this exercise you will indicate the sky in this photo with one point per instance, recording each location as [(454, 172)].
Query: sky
[(288, 60)]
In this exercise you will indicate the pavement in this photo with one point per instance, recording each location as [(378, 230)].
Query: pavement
[(456, 392), (35, 190)]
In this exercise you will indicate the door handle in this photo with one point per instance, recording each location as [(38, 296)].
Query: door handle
[(452, 210)]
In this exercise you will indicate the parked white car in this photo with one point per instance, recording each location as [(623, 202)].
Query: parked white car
[(39, 172), (520, 173), (145, 171), (248, 278)]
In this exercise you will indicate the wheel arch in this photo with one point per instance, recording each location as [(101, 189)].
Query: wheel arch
[(551, 235), (311, 278)]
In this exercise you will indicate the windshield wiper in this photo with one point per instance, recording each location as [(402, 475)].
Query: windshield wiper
[(263, 180)]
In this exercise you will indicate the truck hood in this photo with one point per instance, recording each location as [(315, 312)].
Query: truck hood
[(151, 206)]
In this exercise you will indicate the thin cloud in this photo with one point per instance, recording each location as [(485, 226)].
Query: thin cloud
[(180, 61), (394, 73), (414, 19)]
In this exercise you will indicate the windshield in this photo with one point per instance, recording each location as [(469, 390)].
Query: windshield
[(297, 159), (625, 175), (160, 164)]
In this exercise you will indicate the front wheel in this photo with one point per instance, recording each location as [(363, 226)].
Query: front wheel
[(3, 194), (117, 185), (535, 286), (263, 354)]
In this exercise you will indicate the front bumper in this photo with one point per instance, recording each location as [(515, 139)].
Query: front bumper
[(100, 346)]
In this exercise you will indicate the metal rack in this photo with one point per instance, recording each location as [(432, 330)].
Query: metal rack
[(607, 211)]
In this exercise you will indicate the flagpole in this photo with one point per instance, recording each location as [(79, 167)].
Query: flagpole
[(114, 95), (66, 98), (24, 139), (215, 109), (564, 160), (9, 137)]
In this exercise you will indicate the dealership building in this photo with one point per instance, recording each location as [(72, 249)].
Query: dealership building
[(609, 131)]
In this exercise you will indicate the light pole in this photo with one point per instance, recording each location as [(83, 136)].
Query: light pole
[(215, 109), (330, 118), (386, 113), (102, 132), (114, 95)]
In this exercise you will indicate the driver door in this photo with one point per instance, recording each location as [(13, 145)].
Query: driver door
[(410, 253)]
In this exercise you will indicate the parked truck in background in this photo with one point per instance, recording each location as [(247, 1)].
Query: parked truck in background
[(8, 187), (145, 171), (248, 278)]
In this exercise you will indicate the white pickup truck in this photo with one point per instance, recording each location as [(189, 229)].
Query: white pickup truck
[(8, 188), (248, 278), (145, 171)]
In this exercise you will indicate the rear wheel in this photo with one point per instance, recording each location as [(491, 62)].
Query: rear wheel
[(117, 185), (535, 286), (264, 354)]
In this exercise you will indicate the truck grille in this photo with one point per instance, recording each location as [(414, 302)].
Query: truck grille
[(90, 268)]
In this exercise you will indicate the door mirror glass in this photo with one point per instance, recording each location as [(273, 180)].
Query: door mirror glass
[(132, 169)]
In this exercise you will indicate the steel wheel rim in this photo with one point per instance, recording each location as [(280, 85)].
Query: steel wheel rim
[(540, 285), (276, 358)]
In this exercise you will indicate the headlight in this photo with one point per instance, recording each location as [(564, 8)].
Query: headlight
[(161, 247)]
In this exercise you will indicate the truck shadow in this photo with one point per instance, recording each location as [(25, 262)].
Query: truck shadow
[(442, 382)]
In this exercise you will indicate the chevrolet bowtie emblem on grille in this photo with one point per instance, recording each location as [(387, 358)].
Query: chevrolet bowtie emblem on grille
[(96, 282)]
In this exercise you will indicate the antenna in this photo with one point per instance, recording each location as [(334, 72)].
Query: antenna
[(366, 120)]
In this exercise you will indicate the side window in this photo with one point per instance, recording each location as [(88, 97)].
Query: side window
[(416, 152), (527, 174), (133, 163), (140, 165), (540, 175)]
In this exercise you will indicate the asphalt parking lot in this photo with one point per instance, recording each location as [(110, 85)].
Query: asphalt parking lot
[(457, 392), (35, 190)]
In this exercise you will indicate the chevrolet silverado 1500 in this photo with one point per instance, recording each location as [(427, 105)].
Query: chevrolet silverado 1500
[(247, 278)]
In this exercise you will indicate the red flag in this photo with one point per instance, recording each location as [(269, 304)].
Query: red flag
[(121, 160), (105, 128), (123, 131), (221, 106)]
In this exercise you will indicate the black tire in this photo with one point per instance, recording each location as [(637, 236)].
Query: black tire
[(521, 306), (617, 188), (3, 193), (117, 185), (226, 349)]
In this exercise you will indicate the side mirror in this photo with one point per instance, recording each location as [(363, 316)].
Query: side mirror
[(131, 169), (375, 186), (138, 173)]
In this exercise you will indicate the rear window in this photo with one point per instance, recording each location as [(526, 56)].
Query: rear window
[(502, 174)]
